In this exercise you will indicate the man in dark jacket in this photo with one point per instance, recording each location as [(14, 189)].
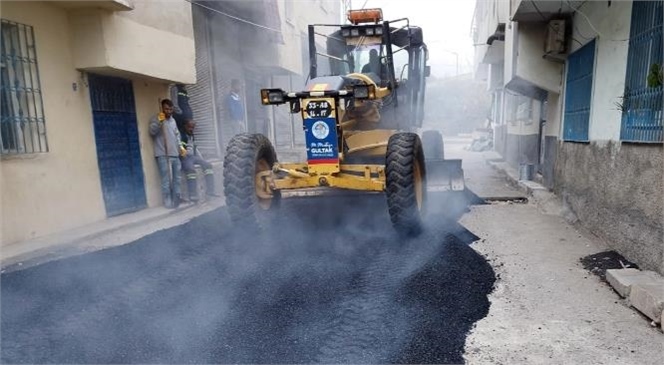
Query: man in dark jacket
[(235, 108), (185, 113), (194, 157)]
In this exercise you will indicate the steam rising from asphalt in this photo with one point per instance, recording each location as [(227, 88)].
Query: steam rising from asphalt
[(329, 281), (329, 275)]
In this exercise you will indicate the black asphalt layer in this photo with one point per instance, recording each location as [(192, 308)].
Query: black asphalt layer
[(600, 262), (317, 287)]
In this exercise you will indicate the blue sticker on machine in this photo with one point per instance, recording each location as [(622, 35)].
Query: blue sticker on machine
[(321, 138)]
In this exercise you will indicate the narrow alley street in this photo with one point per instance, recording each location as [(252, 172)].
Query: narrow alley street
[(317, 288), (332, 182)]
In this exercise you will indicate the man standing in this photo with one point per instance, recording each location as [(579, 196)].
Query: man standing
[(235, 108), (194, 157), (166, 138)]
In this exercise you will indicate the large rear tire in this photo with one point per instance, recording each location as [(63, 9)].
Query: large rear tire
[(405, 183), (246, 156), (432, 141)]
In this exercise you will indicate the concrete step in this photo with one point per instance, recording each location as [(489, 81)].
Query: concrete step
[(622, 280), (644, 289), (649, 299)]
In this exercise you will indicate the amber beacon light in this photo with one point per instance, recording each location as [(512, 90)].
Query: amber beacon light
[(365, 16)]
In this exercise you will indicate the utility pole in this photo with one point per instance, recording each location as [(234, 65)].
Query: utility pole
[(456, 56)]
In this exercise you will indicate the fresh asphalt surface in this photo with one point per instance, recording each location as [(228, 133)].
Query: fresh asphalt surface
[(317, 287)]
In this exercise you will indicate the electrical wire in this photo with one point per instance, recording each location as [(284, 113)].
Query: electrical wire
[(297, 35), (234, 17), (583, 36), (192, 2), (242, 20), (577, 10)]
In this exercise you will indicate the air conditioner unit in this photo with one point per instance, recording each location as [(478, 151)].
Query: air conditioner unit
[(555, 37)]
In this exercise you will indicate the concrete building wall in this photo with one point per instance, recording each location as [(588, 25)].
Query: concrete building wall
[(526, 70), (616, 189), (511, 44), (485, 21), (522, 139), (50, 192), (530, 63), (255, 56), (295, 17), (172, 16), (613, 22), (157, 41), (551, 133), (45, 192), (144, 50)]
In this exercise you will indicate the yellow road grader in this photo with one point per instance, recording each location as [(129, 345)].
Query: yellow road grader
[(362, 110)]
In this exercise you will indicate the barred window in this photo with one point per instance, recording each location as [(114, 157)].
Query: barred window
[(641, 104), (22, 128)]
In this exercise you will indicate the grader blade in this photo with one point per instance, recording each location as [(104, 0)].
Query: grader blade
[(444, 175)]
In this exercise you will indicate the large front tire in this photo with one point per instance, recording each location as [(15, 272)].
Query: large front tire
[(433, 145), (246, 156), (405, 183)]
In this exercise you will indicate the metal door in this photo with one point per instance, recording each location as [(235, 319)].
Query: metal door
[(578, 93), (202, 97), (118, 148), (541, 148)]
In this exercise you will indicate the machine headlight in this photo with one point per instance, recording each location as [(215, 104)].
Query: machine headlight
[(355, 32), (364, 91), (369, 31), (345, 32), (379, 30), (272, 96)]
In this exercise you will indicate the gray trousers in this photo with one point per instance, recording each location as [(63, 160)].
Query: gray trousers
[(170, 171)]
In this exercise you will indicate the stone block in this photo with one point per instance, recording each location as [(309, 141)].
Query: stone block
[(622, 280), (648, 299)]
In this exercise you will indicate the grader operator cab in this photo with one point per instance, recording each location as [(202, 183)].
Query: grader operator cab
[(362, 109)]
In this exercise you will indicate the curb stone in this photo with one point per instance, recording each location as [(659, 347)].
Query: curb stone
[(648, 299)]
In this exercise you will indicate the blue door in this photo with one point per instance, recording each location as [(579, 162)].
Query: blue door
[(118, 149), (578, 93)]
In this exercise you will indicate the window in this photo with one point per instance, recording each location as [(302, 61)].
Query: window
[(519, 108), (641, 103), (512, 101), (578, 92), (22, 128), (524, 111)]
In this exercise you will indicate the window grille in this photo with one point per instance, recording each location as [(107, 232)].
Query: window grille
[(22, 125), (641, 104)]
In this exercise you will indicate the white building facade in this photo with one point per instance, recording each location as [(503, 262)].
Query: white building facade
[(577, 95)]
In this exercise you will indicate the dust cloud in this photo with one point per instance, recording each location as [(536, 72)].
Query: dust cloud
[(328, 281)]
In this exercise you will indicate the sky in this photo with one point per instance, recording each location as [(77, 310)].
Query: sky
[(445, 24)]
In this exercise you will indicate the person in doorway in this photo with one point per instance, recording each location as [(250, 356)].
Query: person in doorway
[(167, 149), (194, 157), (235, 108), (185, 112)]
